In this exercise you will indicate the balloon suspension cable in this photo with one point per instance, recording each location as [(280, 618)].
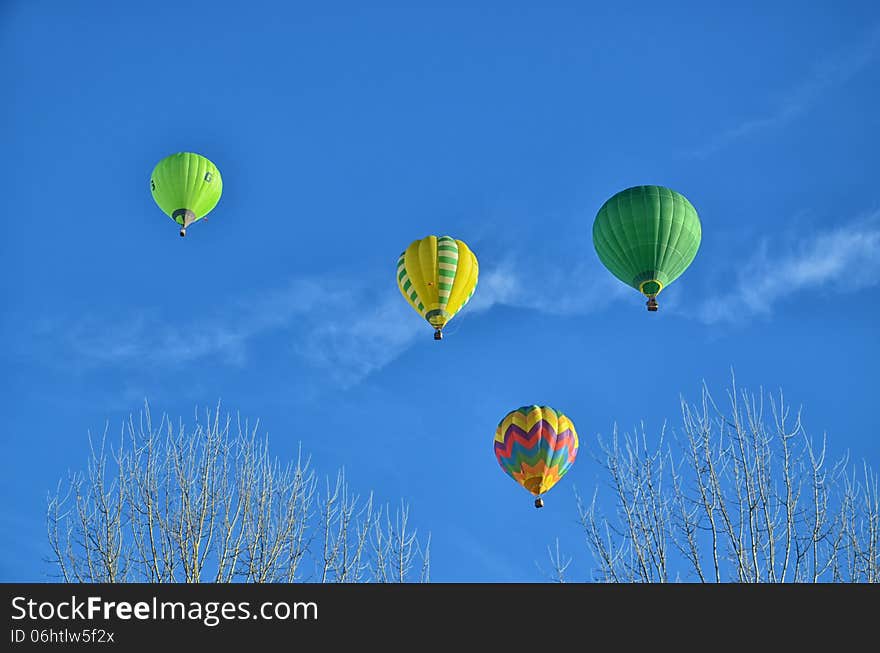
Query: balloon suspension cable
[(539, 502), (652, 304), (438, 334)]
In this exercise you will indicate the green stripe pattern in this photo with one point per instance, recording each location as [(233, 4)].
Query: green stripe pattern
[(447, 263), (407, 285)]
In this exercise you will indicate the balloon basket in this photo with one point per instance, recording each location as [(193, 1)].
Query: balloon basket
[(182, 233), (539, 502), (438, 335), (653, 305)]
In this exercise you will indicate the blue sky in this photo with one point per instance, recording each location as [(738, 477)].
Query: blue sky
[(345, 131)]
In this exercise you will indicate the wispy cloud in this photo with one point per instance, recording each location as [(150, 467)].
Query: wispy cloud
[(350, 345), (827, 74), (347, 329), (146, 336), (844, 259), (572, 288)]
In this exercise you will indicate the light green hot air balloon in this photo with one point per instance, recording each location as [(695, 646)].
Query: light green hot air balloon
[(186, 186), (647, 236)]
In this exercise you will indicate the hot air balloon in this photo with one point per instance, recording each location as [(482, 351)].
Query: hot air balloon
[(536, 445), (186, 186), (647, 236), (437, 276)]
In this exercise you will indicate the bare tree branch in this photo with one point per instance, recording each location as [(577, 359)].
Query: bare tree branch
[(209, 503), (749, 497)]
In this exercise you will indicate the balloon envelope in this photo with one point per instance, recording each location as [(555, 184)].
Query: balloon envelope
[(437, 277), (647, 236), (186, 186), (536, 446)]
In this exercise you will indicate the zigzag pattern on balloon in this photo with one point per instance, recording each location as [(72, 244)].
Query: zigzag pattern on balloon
[(537, 478), (527, 416), (542, 447), (518, 442), (556, 467), (536, 445)]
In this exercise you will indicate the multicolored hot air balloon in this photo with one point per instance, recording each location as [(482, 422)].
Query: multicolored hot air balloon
[(186, 186), (437, 276), (647, 236), (536, 445)]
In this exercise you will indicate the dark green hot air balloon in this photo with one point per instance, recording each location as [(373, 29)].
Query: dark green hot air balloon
[(647, 236)]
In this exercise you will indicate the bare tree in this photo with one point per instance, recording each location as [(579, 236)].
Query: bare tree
[(208, 503), (559, 564), (738, 494)]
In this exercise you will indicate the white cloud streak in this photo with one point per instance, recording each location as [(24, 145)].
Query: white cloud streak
[(147, 337), (826, 75), (347, 330), (845, 259), (577, 289)]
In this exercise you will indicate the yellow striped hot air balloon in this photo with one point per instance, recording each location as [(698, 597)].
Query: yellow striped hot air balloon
[(437, 276)]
